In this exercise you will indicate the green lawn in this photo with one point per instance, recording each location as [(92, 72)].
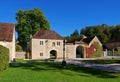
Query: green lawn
[(40, 71), (102, 61)]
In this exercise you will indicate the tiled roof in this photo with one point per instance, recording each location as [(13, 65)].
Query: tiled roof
[(6, 31), (114, 41), (85, 40), (88, 40), (47, 34)]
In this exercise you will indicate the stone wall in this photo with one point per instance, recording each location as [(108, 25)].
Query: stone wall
[(70, 51), (43, 51), (20, 55)]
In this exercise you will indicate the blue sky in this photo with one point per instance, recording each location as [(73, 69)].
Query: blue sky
[(66, 15)]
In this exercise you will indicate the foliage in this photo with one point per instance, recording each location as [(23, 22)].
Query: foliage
[(98, 50), (38, 71), (104, 32), (28, 23), (19, 48), (115, 33), (4, 58), (101, 31), (75, 36)]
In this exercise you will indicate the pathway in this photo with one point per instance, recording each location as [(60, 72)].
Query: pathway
[(106, 67)]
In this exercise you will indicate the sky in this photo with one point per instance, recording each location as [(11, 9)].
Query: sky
[(66, 15)]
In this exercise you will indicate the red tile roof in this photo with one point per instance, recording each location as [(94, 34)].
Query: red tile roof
[(6, 31), (47, 34)]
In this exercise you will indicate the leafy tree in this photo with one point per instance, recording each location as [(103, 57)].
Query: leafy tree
[(74, 37), (28, 23), (116, 33), (75, 33), (104, 32), (101, 31)]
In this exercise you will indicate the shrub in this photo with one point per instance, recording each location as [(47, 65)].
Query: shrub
[(4, 58), (19, 48), (98, 52)]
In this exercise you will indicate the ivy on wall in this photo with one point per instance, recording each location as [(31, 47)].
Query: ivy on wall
[(97, 51)]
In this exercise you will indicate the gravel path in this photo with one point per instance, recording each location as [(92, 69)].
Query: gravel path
[(106, 67)]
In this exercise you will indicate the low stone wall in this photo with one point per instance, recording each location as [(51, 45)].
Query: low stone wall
[(20, 55)]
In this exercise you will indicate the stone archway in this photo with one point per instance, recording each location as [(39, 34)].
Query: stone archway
[(53, 54), (79, 52)]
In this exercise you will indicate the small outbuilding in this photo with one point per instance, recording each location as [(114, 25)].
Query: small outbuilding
[(46, 44), (7, 38)]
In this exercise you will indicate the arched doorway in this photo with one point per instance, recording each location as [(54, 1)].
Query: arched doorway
[(79, 52), (53, 54)]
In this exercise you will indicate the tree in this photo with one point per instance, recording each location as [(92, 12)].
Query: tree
[(104, 32), (75, 33), (101, 31), (73, 37), (28, 23)]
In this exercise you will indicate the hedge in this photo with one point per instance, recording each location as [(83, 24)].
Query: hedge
[(19, 48), (4, 58), (98, 52)]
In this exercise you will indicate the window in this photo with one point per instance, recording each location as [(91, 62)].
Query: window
[(41, 42), (41, 54), (53, 43), (58, 43)]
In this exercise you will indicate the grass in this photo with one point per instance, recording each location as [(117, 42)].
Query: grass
[(40, 71), (102, 61)]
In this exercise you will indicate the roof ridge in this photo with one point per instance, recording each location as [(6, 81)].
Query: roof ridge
[(6, 31), (47, 34), (6, 23)]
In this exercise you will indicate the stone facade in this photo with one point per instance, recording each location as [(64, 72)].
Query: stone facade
[(70, 51), (42, 51), (20, 55), (43, 46)]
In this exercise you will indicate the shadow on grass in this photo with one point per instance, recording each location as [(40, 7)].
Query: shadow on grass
[(56, 66)]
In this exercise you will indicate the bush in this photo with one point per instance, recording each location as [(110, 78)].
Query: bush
[(98, 52), (4, 58), (19, 48)]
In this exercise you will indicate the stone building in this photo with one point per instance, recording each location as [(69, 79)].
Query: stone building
[(46, 44), (7, 38), (83, 48), (49, 44)]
